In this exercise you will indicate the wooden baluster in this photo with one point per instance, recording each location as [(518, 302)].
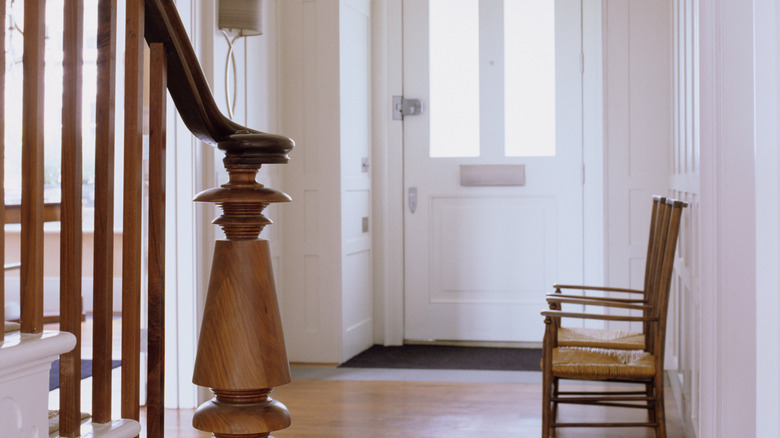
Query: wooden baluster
[(103, 272), (156, 371), (70, 217), (31, 275), (131, 237), (241, 352)]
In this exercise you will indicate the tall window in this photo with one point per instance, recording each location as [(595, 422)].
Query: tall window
[(529, 77), (53, 102), (454, 78), (492, 77)]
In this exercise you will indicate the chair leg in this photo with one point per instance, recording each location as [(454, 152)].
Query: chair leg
[(660, 414), (547, 382), (555, 388), (651, 415), (547, 406)]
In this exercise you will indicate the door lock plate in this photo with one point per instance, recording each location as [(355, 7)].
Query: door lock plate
[(406, 107)]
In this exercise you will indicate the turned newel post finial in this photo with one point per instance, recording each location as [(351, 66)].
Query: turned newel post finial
[(241, 352)]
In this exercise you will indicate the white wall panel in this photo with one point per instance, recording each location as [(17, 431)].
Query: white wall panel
[(638, 114), (309, 114), (505, 252), (324, 101), (355, 85), (683, 338)]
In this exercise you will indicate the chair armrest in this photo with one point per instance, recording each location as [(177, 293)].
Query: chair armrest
[(560, 314), (588, 302), (581, 297), (599, 288)]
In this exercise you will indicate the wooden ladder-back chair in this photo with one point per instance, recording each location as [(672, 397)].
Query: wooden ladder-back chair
[(643, 367), (241, 353), (619, 339)]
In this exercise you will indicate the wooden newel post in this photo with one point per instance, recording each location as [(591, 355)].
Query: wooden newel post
[(241, 353)]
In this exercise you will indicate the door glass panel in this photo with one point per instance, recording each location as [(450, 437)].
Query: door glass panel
[(454, 78), (529, 59)]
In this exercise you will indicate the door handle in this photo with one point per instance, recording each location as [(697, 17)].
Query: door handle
[(412, 199)]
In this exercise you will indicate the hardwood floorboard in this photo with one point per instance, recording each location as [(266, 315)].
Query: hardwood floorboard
[(370, 409), (338, 408)]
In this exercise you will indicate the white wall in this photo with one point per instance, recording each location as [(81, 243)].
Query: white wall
[(726, 164)]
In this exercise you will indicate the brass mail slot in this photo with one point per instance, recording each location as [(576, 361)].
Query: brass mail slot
[(492, 175)]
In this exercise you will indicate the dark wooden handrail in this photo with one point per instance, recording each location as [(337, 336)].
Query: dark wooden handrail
[(241, 352), (194, 101)]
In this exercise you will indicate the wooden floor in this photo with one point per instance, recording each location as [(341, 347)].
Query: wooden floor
[(368, 409), (333, 408)]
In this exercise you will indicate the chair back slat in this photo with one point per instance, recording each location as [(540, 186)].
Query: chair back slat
[(665, 281), (651, 241), (103, 268), (158, 96), (654, 242), (132, 210), (669, 230), (32, 167), (663, 214), (70, 214)]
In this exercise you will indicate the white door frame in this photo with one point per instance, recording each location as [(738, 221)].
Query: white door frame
[(388, 201)]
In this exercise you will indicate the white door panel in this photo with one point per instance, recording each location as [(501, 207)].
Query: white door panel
[(480, 259)]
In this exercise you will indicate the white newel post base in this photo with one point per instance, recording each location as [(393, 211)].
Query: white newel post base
[(25, 361)]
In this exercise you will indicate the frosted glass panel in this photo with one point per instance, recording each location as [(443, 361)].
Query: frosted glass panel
[(454, 80), (529, 77)]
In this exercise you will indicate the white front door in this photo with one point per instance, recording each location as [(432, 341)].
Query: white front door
[(493, 165)]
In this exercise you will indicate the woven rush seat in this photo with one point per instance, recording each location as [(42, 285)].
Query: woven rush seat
[(600, 338), (602, 364)]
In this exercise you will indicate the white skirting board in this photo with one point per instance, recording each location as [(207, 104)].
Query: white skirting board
[(114, 429)]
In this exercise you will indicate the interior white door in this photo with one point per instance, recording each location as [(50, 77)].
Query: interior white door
[(493, 165)]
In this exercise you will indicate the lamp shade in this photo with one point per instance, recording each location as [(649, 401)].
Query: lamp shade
[(244, 16)]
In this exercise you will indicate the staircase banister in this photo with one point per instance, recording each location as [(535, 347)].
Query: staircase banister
[(241, 353), (193, 99)]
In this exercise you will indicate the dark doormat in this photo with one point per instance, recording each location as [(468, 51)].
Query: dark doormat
[(443, 357), (86, 371)]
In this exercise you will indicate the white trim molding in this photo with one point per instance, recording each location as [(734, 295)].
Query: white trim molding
[(728, 233), (767, 162), (387, 156)]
